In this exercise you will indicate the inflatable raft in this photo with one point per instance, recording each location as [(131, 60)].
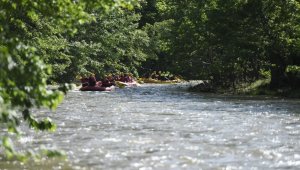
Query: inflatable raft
[(129, 84), (95, 88)]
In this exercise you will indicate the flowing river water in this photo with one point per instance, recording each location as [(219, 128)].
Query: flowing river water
[(166, 127)]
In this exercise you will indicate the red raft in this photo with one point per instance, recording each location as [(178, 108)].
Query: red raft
[(95, 88)]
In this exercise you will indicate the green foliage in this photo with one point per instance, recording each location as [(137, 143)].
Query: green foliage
[(162, 75), (112, 43), (33, 33), (293, 76), (265, 74), (229, 41), (159, 33), (293, 68), (50, 44)]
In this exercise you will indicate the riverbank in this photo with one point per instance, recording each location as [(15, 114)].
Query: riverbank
[(258, 88), (262, 87)]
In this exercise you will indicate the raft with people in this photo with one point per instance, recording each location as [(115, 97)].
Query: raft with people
[(161, 77), (95, 88), (107, 83)]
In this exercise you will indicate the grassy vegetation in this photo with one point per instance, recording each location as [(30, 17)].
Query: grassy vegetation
[(262, 87), (150, 80)]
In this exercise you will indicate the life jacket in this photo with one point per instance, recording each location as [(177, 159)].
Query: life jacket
[(92, 81), (84, 82)]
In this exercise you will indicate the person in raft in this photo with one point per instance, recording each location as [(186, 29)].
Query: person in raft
[(108, 81), (92, 81), (84, 81)]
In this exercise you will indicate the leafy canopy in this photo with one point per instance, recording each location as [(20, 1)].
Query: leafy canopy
[(23, 72)]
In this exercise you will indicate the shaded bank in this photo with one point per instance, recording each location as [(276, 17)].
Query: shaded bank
[(260, 87)]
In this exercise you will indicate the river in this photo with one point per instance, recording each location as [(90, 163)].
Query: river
[(165, 127)]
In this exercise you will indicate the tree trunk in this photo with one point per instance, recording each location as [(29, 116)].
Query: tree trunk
[(278, 75)]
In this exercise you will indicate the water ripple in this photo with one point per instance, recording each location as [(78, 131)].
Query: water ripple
[(161, 127)]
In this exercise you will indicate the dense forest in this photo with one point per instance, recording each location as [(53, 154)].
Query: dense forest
[(228, 42)]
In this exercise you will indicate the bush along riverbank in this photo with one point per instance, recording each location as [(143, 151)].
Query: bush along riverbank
[(258, 88), (289, 88), (263, 87)]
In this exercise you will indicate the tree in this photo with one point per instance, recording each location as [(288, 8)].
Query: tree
[(231, 41), (23, 73), (280, 20), (110, 44)]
